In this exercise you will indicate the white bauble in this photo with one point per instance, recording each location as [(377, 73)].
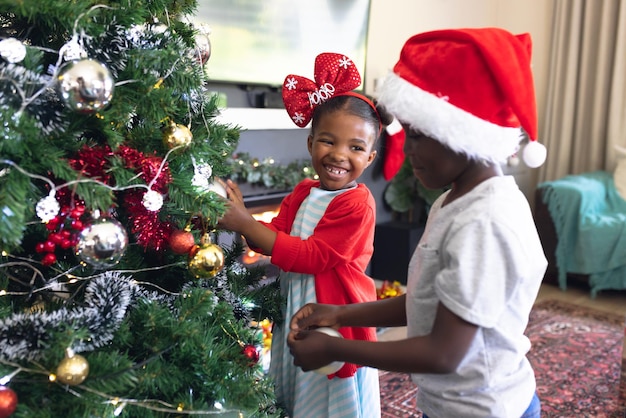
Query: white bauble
[(335, 365)]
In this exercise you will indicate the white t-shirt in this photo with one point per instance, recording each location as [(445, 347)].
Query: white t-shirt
[(481, 257)]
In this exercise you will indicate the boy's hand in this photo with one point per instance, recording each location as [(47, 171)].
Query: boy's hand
[(310, 349)]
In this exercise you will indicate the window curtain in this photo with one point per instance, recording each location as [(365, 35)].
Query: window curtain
[(585, 114)]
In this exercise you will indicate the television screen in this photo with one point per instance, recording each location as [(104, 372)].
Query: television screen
[(260, 42)]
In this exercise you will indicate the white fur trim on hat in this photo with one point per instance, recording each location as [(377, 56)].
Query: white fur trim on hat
[(436, 118), (394, 127)]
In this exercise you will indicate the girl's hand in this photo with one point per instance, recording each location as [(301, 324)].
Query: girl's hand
[(236, 213), (233, 191), (315, 315)]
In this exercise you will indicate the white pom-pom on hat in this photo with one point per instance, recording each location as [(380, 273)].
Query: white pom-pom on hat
[(534, 154)]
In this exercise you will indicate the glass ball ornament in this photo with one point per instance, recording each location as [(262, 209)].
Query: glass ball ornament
[(181, 241), (206, 260), (335, 365), (177, 135), (251, 353), (73, 369), (102, 243), (202, 51), (217, 186), (8, 401), (86, 86)]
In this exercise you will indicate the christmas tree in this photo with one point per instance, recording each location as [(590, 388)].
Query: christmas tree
[(116, 298)]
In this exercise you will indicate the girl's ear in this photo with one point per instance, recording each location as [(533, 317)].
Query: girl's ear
[(309, 143), (372, 157)]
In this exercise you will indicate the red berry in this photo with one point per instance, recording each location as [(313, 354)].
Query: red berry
[(55, 237), (49, 246), (77, 212), (49, 259), (53, 223), (40, 248)]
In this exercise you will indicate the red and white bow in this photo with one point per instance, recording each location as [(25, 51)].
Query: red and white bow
[(334, 74)]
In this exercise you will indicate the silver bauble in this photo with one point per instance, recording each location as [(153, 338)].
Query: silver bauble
[(202, 51), (86, 86), (102, 243)]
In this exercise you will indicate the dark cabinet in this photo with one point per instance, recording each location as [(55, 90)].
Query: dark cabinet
[(394, 244)]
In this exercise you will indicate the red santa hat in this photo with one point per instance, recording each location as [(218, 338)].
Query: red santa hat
[(470, 89)]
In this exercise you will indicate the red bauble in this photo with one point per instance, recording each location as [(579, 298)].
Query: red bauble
[(181, 241), (8, 401), (251, 353)]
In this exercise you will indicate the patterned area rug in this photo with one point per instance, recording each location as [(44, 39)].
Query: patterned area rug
[(577, 356)]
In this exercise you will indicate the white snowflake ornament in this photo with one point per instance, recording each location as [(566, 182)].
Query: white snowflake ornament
[(152, 200), (47, 208), (73, 50), (202, 172), (12, 50)]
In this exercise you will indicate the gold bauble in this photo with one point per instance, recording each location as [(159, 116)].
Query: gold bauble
[(206, 260), (73, 369), (177, 135)]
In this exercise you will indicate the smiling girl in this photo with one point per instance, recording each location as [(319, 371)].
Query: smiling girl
[(322, 237)]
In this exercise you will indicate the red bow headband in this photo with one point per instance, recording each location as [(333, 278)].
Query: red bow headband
[(335, 75)]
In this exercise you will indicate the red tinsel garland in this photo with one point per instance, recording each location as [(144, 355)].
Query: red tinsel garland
[(149, 230)]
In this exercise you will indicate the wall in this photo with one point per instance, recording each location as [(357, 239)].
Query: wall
[(392, 22), (285, 142)]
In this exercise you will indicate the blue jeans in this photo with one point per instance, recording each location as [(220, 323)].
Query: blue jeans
[(533, 411)]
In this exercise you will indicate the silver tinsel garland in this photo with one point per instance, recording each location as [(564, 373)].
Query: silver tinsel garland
[(25, 336)]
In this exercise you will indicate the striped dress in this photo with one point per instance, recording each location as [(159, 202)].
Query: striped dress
[(311, 395)]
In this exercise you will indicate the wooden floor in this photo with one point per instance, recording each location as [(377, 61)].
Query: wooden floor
[(576, 293), (579, 294)]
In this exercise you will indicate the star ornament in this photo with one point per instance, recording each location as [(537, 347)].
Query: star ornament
[(334, 74)]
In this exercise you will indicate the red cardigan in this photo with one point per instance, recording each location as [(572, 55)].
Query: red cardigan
[(337, 253)]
